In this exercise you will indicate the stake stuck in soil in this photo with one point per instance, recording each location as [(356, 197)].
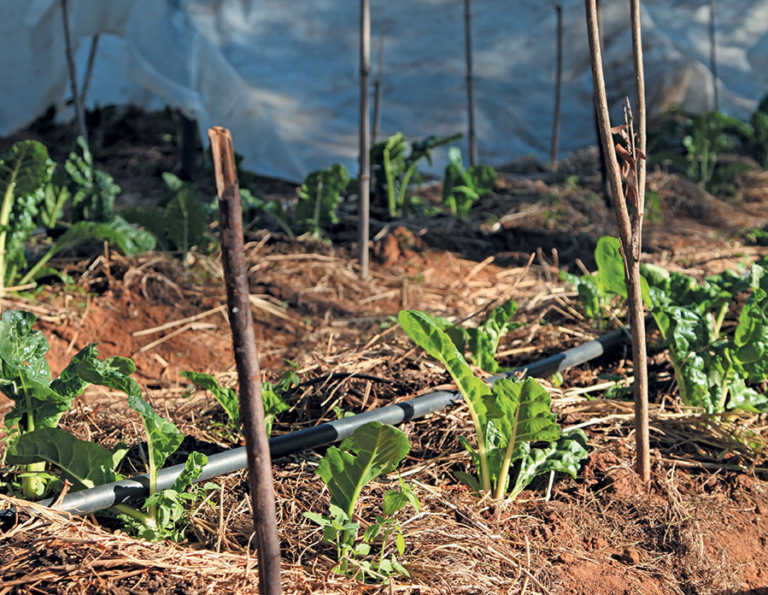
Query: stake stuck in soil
[(246, 360), (365, 135), (630, 225)]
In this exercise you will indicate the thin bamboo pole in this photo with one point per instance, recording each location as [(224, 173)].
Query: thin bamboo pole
[(89, 67), (629, 232), (377, 91), (365, 137), (558, 89), (470, 91), (637, 57), (713, 54), (76, 97), (246, 361)]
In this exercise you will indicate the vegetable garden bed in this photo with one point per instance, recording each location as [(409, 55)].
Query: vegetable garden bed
[(700, 526)]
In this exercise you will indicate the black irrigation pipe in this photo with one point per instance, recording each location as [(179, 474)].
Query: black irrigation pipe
[(107, 495)]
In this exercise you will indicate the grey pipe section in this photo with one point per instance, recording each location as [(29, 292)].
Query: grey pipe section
[(107, 495)]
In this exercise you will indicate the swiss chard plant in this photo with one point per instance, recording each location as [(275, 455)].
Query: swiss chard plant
[(507, 418), (24, 173), (319, 196), (372, 450), (393, 171), (34, 191), (36, 444), (463, 187), (715, 370), (482, 341), (180, 223), (271, 395)]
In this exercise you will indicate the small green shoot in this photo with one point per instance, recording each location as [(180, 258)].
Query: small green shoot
[(271, 395), (373, 449)]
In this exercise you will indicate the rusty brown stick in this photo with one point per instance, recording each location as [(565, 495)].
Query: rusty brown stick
[(246, 360), (630, 236)]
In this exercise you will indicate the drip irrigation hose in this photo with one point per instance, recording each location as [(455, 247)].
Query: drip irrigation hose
[(107, 495)]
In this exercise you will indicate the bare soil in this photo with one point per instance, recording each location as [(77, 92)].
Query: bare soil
[(701, 526)]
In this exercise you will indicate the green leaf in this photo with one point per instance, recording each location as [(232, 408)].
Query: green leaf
[(128, 238), (186, 219), (225, 396), (193, 466), (93, 190), (484, 340), (22, 347), (610, 266), (86, 464), (163, 438), (521, 413), (273, 404), (564, 456), (372, 450), (426, 333)]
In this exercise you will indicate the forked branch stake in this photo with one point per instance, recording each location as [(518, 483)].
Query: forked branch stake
[(630, 225)]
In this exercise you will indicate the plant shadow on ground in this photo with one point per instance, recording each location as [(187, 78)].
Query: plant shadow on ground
[(698, 528)]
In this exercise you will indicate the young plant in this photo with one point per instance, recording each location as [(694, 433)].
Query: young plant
[(463, 187), (181, 223), (120, 234), (713, 369), (93, 190), (39, 401), (482, 341), (319, 196), (507, 418), (34, 440), (393, 171), (372, 450), (24, 171), (271, 395)]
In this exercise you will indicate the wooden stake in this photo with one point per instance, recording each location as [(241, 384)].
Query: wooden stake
[(377, 84), (89, 68), (365, 136), (630, 231), (470, 92), (247, 361), (637, 56), (76, 97), (558, 89), (713, 54)]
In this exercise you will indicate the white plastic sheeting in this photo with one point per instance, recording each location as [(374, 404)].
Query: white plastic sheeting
[(283, 76)]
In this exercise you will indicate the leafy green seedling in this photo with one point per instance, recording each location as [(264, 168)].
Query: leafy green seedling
[(507, 419), (483, 340), (126, 237), (372, 450), (39, 403), (463, 187), (180, 223), (427, 334), (319, 196), (713, 369), (24, 171), (392, 171), (93, 190), (227, 397)]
